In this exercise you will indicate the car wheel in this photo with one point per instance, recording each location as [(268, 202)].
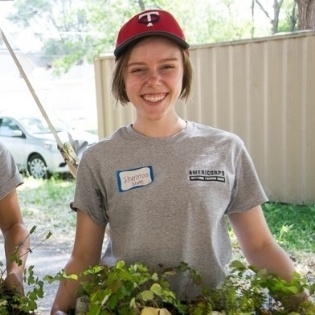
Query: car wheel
[(37, 167)]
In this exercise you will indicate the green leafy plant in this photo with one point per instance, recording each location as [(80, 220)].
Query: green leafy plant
[(16, 304), (125, 290), (247, 290), (128, 290)]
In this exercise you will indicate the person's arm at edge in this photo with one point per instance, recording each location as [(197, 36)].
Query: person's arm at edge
[(258, 245), (86, 252), (16, 240)]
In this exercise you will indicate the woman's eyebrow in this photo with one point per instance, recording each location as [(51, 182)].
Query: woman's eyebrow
[(135, 64), (139, 63)]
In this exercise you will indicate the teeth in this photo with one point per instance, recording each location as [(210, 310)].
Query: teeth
[(153, 98)]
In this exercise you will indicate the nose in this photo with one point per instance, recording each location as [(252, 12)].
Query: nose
[(153, 79)]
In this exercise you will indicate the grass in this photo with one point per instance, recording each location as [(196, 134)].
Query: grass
[(45, 203), (292, 225)]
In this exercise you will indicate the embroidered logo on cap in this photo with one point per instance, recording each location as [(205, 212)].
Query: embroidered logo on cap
[(151, 22), (149, 18)]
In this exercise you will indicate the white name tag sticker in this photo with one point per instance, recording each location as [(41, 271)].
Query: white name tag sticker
[(135, 178)]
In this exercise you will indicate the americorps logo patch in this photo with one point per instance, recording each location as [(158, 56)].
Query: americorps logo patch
[(205, 175), (134, 178)]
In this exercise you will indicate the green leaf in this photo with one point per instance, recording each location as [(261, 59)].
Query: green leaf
[(33, 229), (147, 295), (48, 235), (156, 288)]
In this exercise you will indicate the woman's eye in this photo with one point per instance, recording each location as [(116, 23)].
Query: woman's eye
[(167, 66), (137, 70)]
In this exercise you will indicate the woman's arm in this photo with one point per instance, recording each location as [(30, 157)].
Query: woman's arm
[(86, 252), (16, 240), (258, 244)]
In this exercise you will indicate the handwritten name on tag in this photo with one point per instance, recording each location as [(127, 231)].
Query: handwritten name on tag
[(135, 178)]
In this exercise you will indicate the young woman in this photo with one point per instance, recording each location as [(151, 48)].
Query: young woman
[(165, 185)]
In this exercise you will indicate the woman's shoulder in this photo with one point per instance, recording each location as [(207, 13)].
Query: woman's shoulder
[(107, 143), (198, 129)]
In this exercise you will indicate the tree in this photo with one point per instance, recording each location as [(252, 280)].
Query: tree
[(281, 14), (75, 31), (72, 31), (306, 14), (276, 11)]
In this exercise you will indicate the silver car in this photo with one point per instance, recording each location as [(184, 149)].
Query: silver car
[(33, 145)]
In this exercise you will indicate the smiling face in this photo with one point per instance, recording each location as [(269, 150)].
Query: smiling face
[(153, 79)]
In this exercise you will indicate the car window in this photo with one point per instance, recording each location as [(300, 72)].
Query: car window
[(7, 127), (36, 125)]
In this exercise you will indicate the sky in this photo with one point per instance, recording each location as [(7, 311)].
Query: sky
[(25, 40)]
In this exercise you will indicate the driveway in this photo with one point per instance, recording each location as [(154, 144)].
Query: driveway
[(48, 259)]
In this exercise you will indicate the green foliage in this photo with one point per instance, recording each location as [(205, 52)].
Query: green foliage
[(29, 301), (11, 303), (75, 32), (247, 290), (126, 290), (289, 17), (45, 204), (292, 225)]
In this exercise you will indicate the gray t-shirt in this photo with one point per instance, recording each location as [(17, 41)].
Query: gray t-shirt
[(166, 198), (10, 177)]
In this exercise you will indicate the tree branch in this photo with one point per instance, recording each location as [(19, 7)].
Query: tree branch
[(263, 9)]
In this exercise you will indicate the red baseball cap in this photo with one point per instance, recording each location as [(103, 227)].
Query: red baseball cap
[(147, 23)]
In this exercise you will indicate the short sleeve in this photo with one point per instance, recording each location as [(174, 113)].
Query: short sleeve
[(247, 190), (90, 195), (10, 177)]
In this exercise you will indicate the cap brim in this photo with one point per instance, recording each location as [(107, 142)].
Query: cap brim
[(121, 48)]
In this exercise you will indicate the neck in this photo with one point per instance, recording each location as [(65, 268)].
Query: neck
[(158, 129)]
